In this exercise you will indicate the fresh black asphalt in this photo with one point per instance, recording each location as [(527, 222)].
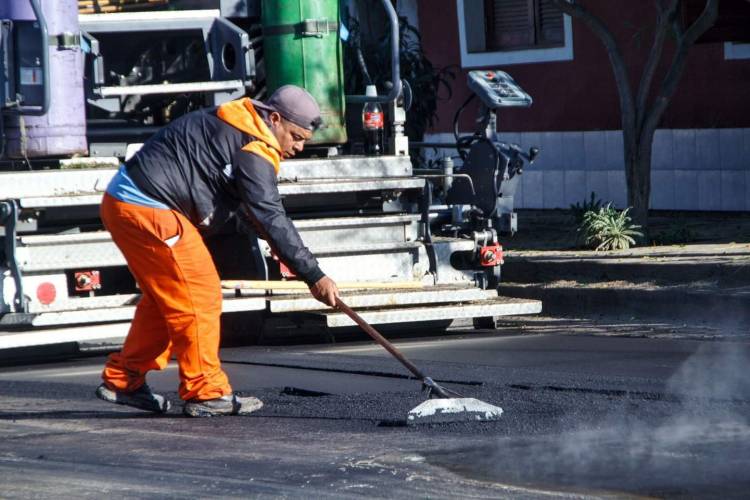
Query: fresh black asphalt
[(584, 416)]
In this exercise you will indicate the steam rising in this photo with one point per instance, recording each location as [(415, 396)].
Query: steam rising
[(694, 442)]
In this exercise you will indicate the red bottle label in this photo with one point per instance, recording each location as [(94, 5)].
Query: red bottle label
[(373, 120)]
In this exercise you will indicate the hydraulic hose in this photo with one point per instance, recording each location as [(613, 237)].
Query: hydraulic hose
[(395, 62)]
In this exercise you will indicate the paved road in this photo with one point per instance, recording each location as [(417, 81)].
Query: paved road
[(584, 416)]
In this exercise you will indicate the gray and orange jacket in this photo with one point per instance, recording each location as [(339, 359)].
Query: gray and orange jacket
[(209, 163)]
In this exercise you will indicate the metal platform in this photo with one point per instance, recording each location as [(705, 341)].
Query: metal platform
[(54, 183), (88, 310), (149, 21), (326, 237), (88, 315), (92, 189), (48, 253), (329, 186), (379, 248), (40, 337), (382, 298), (375, 167), (500, 306), (428, 305), (322, 175)]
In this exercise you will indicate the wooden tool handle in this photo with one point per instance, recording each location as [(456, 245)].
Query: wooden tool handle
[(379, 338), (300, 285)]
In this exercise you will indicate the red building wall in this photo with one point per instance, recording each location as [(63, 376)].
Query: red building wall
[(581, 94)]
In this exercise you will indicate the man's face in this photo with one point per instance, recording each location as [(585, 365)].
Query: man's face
[(291, 137)]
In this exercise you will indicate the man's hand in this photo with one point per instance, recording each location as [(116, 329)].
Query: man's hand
[(325, 290)]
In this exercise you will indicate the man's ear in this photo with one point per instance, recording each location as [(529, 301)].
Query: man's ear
[(274, 118)]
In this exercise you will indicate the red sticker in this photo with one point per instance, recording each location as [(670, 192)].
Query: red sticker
[(46, 293)]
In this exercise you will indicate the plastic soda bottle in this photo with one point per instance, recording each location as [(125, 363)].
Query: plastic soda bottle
[(372, 123)]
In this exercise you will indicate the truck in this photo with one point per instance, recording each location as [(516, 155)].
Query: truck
[(84, 84)]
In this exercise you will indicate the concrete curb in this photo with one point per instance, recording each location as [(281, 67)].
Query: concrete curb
[(666, 271), (680, 304), (700, 283)]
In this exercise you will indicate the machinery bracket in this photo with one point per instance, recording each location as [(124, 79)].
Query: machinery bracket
[(65, 41), (425, 203), (9, 219), (318, 27)]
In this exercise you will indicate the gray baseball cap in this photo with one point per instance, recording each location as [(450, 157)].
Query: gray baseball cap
[(294, 104)]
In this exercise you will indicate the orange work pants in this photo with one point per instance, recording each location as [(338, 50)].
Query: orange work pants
[(180, 307)]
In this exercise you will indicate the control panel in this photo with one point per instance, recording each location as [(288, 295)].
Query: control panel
[(498, 89)]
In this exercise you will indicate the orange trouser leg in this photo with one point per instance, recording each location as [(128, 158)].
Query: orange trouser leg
[(147, 347), (183, 285)]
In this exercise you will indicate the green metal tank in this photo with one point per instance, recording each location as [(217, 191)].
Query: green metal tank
[(301, 46)]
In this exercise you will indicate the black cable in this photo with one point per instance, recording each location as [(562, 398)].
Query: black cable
[(458, 115), (462, 142), (363, 65), (2, 136)]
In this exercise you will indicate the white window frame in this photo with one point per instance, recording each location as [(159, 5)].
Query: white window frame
[(525, 56), (734, 50)]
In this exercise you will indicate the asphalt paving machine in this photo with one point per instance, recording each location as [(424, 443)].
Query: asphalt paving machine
[(81, 92)]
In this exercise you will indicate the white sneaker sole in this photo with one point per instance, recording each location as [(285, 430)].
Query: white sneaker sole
[(246, 405), (249, 405), (157, 405)]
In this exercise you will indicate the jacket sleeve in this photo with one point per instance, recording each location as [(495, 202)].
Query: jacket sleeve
[(257, 185)]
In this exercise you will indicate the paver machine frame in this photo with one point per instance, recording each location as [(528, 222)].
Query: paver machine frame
[(374, 221)]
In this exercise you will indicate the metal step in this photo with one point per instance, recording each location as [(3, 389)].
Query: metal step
[(81, 333), (92, 315), (284, 302), (500, 306), (60, 201), (332, 186), (328, 175), (148, 21), (389, 228), (85, 303), (91, 195), (45, 253), (326, 237), (57, 183), (171, 88), (375, 167), (338, 232), (51, 329), (380, 298)]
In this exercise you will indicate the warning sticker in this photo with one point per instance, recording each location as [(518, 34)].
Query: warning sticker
[(31, 76)]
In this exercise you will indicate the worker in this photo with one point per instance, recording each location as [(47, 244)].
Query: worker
[(188, 179)]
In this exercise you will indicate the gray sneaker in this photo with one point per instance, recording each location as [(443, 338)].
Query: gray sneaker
[(141, 398), (230, 404)]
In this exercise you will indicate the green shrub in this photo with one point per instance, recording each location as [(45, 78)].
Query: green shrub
[(579, 209), (675, 234), (608, 229)]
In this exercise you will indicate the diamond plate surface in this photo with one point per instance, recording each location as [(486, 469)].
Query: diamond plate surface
[(383, 298), (501, 306)]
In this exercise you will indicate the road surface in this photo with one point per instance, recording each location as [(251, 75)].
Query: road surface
[(584, 416)]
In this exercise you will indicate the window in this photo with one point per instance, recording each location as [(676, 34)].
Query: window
[(731, 25), (734, 50), (499, 32), (522, 24)]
